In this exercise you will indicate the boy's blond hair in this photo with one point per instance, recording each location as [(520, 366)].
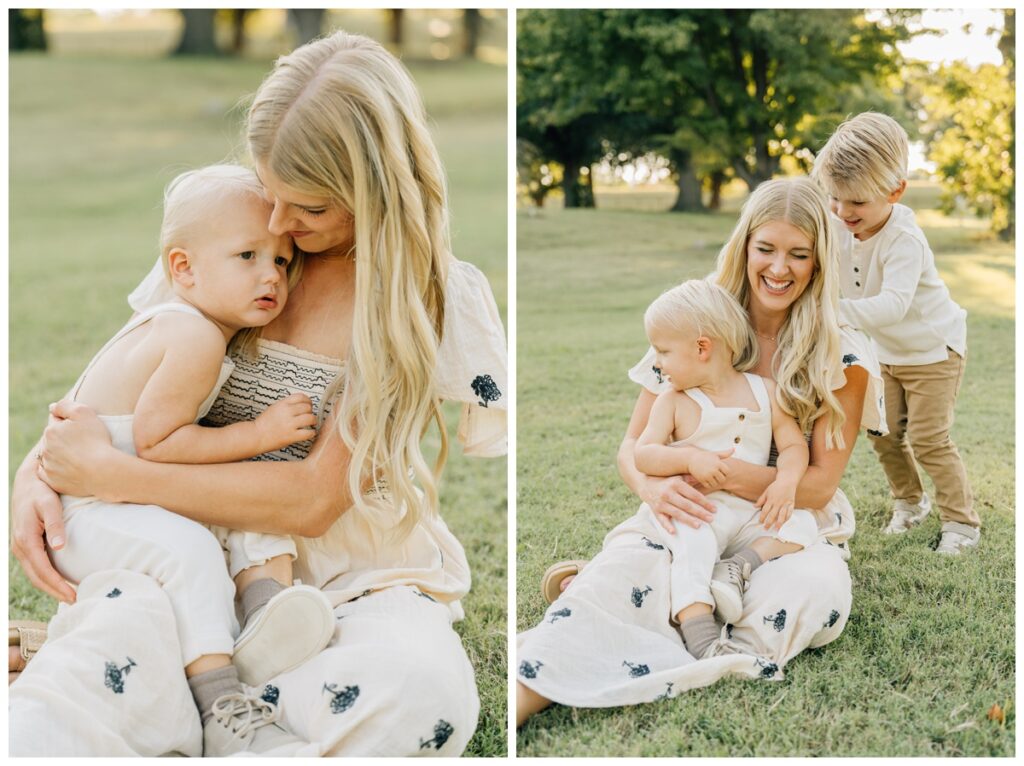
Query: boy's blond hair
[(700, 306), (866, 158)]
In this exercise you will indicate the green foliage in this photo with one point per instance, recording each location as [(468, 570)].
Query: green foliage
[(711, 89), (94, 140), (970, 134), (930, 644)]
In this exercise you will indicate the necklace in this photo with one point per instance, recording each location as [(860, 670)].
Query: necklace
[(771, 338)]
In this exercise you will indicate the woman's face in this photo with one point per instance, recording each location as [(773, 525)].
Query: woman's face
[(315, 223), (780, 265)]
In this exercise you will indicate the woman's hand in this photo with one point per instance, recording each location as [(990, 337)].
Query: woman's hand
[(673, 498), (76, 451), (37, 516)]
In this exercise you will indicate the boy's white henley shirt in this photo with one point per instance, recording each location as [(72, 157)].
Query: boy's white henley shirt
[(892, 290)]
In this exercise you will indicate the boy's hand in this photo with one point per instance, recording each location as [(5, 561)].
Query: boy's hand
[(776, 504), (285, 422), (710, 468)]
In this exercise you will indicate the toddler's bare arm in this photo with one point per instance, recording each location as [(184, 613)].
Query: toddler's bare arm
[(164, 428)]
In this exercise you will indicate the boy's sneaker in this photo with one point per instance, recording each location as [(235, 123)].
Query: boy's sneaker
[(906, 515), (294, 626), (956, 538), (718, 648), (728, 584), (243, 722)]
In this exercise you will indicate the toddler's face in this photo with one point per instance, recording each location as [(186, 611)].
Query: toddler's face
[(864, 218), (677, 356), (240, 268)]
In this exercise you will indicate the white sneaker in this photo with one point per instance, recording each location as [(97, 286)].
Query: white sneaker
[(728, 584), (906, 515), (956, 538), (243, 722), (294, 626)]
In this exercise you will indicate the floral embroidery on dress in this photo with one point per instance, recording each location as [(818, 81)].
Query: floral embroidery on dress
[(768, 669), (566, 612), (651, 544), (777, 620), (665, 695), (442, 731), (638, 596), (833, 618), (657, 373), (485, 387), (636, 670), (529, 669), (114, 593), (270, 694), (341, 699), (113, 677), (849, 359)]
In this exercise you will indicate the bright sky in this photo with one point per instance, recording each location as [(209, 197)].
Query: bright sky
[(978, 46)]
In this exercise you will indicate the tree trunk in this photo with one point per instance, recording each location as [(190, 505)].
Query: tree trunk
[(197, 39), (395, 28), (25, 30), (570, 182), (471, 22), (308, 22), (238, 29), (688, 200), (717, 179)]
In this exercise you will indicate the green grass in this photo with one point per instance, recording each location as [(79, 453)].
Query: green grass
[(930, 643), (93, 142)]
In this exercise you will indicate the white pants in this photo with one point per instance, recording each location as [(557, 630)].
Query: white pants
[(395, 680), (734, 527)]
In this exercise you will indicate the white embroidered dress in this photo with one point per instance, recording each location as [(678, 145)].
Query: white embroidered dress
[(607, 641)]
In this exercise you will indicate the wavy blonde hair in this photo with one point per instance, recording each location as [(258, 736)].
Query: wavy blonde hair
[(808, 343), (341, 118)]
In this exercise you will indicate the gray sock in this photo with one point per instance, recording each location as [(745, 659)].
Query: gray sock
[(699, 633), (748, 556), (207, 687), (256, 594)]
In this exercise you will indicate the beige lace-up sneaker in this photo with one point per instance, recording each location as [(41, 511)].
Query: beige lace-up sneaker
[(728, 584), (243, 722), (956, 538), (906, 515)]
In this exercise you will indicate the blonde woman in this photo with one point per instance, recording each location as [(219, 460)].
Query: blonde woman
[(383, 324), (607, 639)]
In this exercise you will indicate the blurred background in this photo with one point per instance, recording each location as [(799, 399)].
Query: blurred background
[(108, 106)]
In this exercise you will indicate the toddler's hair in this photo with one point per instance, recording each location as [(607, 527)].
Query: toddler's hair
[(864, 159), (706, 308), (190, 198)]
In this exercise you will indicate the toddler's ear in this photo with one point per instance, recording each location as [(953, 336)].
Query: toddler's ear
[(896, 195), (180, 265), (704, 345)]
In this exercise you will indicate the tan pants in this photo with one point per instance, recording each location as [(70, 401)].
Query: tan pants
[(919, 402)]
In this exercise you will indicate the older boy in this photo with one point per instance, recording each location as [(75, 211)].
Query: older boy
[(892, 290)]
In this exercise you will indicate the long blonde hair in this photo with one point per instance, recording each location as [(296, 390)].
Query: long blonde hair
[(340, 117), (808, 343)]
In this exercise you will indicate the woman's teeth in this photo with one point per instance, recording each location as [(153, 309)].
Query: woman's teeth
[(776, 286)]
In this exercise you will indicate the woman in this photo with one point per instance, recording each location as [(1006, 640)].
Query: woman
[(607, 641), (383, 324)]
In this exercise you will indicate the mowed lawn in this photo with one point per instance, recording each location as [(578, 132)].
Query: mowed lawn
[(92, 144), (929, 648)]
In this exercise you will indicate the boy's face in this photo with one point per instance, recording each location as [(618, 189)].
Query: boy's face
[(678, 356), (238, 268), (864, 218)]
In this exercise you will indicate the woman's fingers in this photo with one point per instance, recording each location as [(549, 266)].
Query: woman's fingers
[(36, 564), (15, 662), (665, 521)]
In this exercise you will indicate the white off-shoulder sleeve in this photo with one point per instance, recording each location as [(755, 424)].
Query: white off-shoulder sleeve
[(857, 350), (472, 363), (646, 373), (152, 291)]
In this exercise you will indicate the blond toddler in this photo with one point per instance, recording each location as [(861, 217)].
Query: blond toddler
[(712, 412), (150, 384)]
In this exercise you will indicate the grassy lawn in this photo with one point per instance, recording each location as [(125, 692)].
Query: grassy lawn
[(92, 144), (930, 644)]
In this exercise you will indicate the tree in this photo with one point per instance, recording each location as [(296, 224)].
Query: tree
[(472, 22), (25, 30), (197, 38), (308, 22), (970, 133)]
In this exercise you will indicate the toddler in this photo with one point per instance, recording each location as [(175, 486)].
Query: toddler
[(150, 384), (711, 412), (892, 290)]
